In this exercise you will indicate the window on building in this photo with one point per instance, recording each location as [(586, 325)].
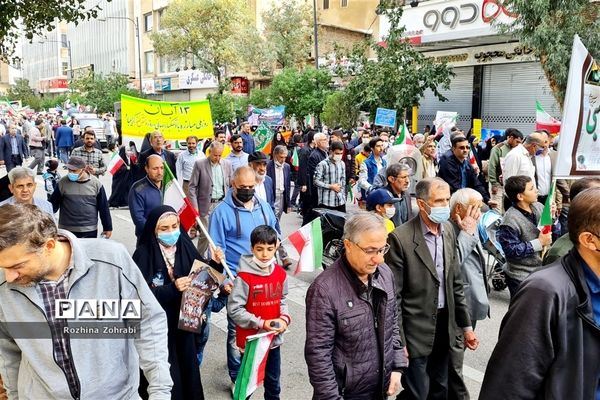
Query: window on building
[(149, 60), (65, 68), (147, 22), (63, 39), (325, 4), (344, 3)]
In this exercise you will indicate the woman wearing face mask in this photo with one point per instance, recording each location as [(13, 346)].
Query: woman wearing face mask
[(383, 203), (165, 257)]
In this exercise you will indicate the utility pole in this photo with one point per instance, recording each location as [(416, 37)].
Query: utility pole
[(316, 34)]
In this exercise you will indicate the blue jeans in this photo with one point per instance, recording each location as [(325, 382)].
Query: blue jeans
[(202, 337), (63, 154), (272, 375), (234, 358)]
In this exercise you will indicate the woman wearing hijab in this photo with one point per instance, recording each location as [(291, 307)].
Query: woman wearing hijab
[(165, 257), (122, 180), (278, 139)]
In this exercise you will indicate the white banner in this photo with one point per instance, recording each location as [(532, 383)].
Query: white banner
[(194, 79), (579, 144)]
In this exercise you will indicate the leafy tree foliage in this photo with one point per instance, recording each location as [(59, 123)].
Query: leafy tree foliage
[(21, 91), (101, 92), (549, 28), (301, 92), (400, 75), (33, 17), (340, 110), (210, 32)]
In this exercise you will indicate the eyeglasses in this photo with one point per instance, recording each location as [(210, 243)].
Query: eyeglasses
[(371, 252)]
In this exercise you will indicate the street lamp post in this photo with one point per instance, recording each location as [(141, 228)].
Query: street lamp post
[(316, 29), (136, 25)]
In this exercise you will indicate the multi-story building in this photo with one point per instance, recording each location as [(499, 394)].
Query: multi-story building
[(8, 75)]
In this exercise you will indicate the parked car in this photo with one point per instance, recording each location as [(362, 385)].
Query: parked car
[(88, 119)]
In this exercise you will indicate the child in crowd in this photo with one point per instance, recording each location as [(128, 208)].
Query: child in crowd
[(51, 177), (258, 303), (518, 234), (383, 203)]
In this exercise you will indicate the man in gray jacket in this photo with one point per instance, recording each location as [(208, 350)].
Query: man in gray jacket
[(43, 356)]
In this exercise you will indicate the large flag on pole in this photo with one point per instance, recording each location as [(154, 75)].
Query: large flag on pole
[(173, 195), (543, 120), (115, 163), (308, 241), (252, 369), (545, 225)]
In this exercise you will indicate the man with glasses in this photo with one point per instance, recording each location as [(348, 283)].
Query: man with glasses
[(157, 143), (353, 347), (396, 180), (431, 301)]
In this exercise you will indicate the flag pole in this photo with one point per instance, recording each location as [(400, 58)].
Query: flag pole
[(202, 227)]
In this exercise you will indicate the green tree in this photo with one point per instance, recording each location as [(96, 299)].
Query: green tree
[(340, 110), (101, 92), (21, 91), (549, 28), (222, 107), (288, 30), (209, 32), (301, 92), (400, 75), (33, 17)]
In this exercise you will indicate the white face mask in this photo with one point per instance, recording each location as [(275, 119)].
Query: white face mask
[(386, 145), (261, 264), (365, 140), (390, 212), (337, 157)]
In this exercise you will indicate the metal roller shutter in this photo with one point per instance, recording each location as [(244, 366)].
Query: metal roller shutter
[(509, 95), (460, 97)]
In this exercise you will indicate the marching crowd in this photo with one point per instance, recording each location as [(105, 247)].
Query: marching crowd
[(397, 309)]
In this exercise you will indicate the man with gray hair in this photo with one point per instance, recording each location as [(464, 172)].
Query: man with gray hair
[(316, 156), (347, 355), (431, 300), (465, 211), (157, 143), (518, 160), (396, 180), (280, 173), (22, 186)]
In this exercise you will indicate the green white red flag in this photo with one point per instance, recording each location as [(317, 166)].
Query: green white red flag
[(545, 225), (173, 195), (115, 163), (472, 159), (403, 135), (543, 120), (254, 362), (295, 158), (308, 241)]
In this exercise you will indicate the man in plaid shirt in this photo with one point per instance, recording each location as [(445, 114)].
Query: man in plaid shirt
[(330, 179), (91, 155)]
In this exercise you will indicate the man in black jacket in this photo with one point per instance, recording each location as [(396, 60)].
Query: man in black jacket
[(302, 178), (550, 338), (157, 143), (316, 156)]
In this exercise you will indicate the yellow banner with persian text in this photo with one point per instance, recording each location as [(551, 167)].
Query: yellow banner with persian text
[(176, 120)]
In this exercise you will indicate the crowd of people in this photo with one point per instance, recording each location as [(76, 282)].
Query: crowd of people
[(397, 309)]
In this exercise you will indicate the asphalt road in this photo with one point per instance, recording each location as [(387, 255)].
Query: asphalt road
[(294, 379)]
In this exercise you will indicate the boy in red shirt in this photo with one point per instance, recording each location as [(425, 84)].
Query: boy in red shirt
[(258, 303)]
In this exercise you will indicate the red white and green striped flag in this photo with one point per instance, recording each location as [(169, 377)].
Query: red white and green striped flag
[(472, 159), (545, 225), (543, 120), (252, 369), (115, 163), (173, 195), (403, 135), (308, 241), (295, 159)]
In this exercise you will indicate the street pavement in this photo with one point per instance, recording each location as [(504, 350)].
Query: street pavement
[(294, 376)]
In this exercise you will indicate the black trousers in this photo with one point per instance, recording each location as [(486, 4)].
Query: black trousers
[(86, 235), (341, 208), (427, 377)]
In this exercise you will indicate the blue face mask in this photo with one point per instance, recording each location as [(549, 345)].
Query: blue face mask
[(539, 152), (437, 215), (73, 177), (169, 238)]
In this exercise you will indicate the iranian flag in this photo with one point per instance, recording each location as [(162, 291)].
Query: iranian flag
[(173, 195), (472, 159), (295, 159), (115, 163), (403, 135), (543, 120), (308, 241), (545, 225), (254, 362)]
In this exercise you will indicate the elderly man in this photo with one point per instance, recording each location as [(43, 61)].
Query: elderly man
[(211, 177), (465, 210), (431, 301), (41, 265), (280, 173), (396, 180), (552, 326), (230, 226), (318, 154), (13, 149), (264, 184), (157, 143), (349, 356), (145, 195), (93, 157), (22, 186), (237, 157), (81, 198), (514, 137), (518, 160), (186, 161)]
